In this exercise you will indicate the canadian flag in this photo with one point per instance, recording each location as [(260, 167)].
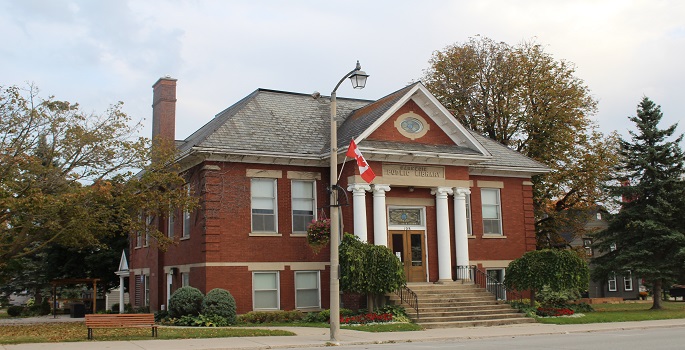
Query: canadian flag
[(364, 168)]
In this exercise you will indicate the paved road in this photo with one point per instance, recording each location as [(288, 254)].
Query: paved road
[(652, 339)]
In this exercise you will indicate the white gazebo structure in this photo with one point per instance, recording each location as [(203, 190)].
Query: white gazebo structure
[(122, 273)]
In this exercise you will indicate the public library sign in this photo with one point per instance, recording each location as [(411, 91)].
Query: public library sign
[(407, 171)]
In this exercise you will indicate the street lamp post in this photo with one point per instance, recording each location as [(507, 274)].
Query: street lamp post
[(358, 78)]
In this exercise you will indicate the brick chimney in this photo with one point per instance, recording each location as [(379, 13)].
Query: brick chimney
[(164, 109)]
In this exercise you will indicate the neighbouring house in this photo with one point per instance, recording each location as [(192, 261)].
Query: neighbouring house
[(444, 197), (624, 286)]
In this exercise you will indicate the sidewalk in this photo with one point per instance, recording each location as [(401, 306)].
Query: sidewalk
[(319, 337)]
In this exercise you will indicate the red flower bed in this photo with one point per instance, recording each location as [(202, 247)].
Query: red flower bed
[(367, 318), (553, 311)]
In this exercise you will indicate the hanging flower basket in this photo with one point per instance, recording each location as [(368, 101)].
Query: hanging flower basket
[(318, 234)]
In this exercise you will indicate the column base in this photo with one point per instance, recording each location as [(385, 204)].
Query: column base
[(443, 281)]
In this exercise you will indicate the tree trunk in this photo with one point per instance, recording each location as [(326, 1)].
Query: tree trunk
[(370, 302), (656, 295), (532, 298)]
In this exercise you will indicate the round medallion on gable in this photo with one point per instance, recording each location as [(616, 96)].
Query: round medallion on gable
[(411, 125)]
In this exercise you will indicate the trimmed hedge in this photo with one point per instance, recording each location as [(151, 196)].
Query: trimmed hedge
[(219, 302), (185, 301)]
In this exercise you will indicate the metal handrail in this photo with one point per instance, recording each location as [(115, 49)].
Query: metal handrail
[(497, 288), (410, 298)]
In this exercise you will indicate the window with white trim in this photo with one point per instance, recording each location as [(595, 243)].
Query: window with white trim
[(146, 288), (264, 207), (307, 289), (492, 214), (170, 225), (149, 220), (587, 245), (265, 290), (469, 229), (139, 233), (628, 281), (612, 282), (186, 217), (303, 204), (185, 279)]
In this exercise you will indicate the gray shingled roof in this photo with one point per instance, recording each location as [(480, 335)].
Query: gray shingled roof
[(276, 122), (503, 156), (420, 147), (361, 119), (272, 122)]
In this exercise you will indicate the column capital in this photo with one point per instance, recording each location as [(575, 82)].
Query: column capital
[(378, 188), (441, 191), (358, 187), (460, 191)]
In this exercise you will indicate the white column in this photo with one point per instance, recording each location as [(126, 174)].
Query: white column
[(380, 221), (169, 281), (461, 239), (443, 225), (359, 205), (121, 294)]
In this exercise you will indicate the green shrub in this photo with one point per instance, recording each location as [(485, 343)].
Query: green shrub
[(186, 301), (556, 299), (272, 316), (15, 310), (581, 308), (324, 316), (115, 308), (161, 315), (523, 305), (395, 310), (141, 310), (199, 321), (219, 302)]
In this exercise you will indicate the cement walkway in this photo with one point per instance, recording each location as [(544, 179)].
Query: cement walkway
[(319, 337)]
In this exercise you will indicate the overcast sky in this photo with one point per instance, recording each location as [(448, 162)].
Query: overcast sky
[(98, 52)]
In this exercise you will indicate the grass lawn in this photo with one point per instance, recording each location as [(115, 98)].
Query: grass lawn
[(77, 331), (623, 312)]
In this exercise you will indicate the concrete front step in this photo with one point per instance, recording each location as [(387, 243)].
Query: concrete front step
[(448, 313), (454, 318), (459, 305), (480, 323)]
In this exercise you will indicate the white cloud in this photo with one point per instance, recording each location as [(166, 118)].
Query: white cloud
[(100, 52)]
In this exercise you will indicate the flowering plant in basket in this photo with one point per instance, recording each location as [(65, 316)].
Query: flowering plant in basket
[(318, 234)]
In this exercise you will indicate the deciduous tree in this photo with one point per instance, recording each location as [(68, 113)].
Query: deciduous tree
[(558, 269), (70, 178), (369, 269), (525, 99), (648, 233)]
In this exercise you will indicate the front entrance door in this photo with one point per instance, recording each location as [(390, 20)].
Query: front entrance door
[(410, 247)]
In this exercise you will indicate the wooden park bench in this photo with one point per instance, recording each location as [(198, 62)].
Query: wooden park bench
[(120, 321)]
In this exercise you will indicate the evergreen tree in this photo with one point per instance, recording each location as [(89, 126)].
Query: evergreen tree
[(646, 237)]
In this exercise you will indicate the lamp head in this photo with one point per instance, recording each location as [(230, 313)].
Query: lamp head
[(358, 79)]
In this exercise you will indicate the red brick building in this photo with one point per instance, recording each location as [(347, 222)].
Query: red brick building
[(443, 197)]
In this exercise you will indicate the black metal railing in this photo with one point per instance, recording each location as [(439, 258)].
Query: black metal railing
[(492, 285), (410, 298)]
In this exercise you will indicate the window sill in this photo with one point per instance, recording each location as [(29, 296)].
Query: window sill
[(471, 236), (493, 235), (309, 308), (264, 234), (298, 234), (184, 238)]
